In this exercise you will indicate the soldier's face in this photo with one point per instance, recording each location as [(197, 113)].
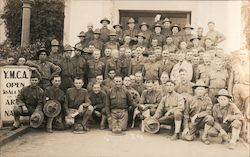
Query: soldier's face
[(105, 23), (169, 87), (200, 91), (132, 78), (126, 81), (208, 43), (206, 57), (56, 81), (127, 39), (165, 54), (140, 39), (152, 58), (77, 52), (211, 26), (82, 38), (96, 55), (218, 65), (164, 78), (10, 61), (172, 56), (122, 51), (181, 56), (169, 40), (196, 60), (107, 52), (166, 24), (90, 27), (223, 101), (200, 32), (175, 30), (139, 51), (96, 88), (149, 86), (189, 56), (112, 74), (183, 75), (183, 45), (138, 77), (131, 25), (67, 54), (112, 37), (157, 30), (34, 81), (195, 52), (188, 31), (78, 83), (128, 53), (243, 54), (117, 28), (196, 41), (21, 61), (158, 53), (115, 54), (118, 81), (99, 79), (154, 42), (42, 56), (54, 48), (144, 28), (96, 36)]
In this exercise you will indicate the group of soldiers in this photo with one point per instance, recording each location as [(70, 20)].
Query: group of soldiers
[(158, 76)]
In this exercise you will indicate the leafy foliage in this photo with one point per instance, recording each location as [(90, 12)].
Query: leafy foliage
[(47, 21)]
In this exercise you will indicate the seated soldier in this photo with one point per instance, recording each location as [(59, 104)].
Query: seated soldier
[(149, 101), (119, 102), (77, 100), (138, 85), (199, 111), (98, 100), (170, 110), (55, 93), (228, 118), (29, 100), (163, 80)]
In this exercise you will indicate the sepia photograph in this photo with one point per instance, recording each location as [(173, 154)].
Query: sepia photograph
[(124, 78)]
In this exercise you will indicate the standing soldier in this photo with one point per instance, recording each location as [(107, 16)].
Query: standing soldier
[(188, 35), (95, 67), (125, 62), (146, 32), (77, 101), (54, 93), (166, 30), (204, 69), (140, 42), (170, 46), (79, 63), (228, 118), (118, 104), (97, 42), (105, 31), (196, 43), (107, 55), (131, 31), (137, 63), (112, 43), (199, 111), (109, 81), (175, 34), (170, 110), (68, 69), (90, 33), (29, 100), (114, 63), (165, 64), (214, 35), (152, 69), (118, 30), (126, 42), (138, 85), (83, 41), (98, 100), (157, 34), (55, 55), (47, 69), (200, 35)]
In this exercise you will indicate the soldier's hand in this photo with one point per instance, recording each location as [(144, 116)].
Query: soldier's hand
[(225, 120), (85, 104), (109, 118), (25, 109), (167, 114), (185, 132), (194, 118)]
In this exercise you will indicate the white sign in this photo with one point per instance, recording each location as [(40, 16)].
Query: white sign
[(12, 80)]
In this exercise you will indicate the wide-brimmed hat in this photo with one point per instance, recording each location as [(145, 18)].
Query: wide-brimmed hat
[(131, 20), (97, 31), (105, 19), (158, 25), (52, 108), (112, 33), (36, 119), (140, 35), (199, 83), (176, 25), (54, 42), (78, 47), (151, 125), (195, 37), (117, 25), (166, 20), (42, 50), (81, 34), (143, 24), (188, 26), (67, 47), (223, 92)]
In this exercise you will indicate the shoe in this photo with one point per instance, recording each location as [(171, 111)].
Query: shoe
[(14, 128), (231, 146), (49, 130), (102, 127), (85, 128), (175, 137), (205, 140)]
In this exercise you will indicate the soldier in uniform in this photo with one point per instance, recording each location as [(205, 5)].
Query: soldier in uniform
[(214, 35), (157, 34), (83, 41), (188, 34), (119, 32), (152, 69), (98, 100), (118, 104), (166, 30), (126, 43), (114, 63), (144, 27), (79, 63), (105, 31), (55, 93), (204, 69), (68, 69), (141, 42), (170, 46), (170, 109), (112, 43), (90, 33), (200, 35), (196, 43), (217, 79), (55, 55), (228, 118), (95, 67), (29, 100), (165, 64), (175, 34), (109, 81), (138, 85), (47, 69), (199, 111), (97, 42), (131, 31), (125, 62), (107, 55), (137, 63), (77, 99)]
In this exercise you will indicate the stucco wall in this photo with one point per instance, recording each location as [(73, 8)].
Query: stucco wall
[(226, 15)]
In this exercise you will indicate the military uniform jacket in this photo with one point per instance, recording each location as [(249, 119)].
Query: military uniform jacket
[(32, 97), (99, 100), (218, 79), (79, 65), (53, 93), (152, 70), (94, 68), (161, 38), (104, 34), (151, 98), (55, 58), (68, 67), (170, 47), (75, 97), (166, 66), (97, 43)]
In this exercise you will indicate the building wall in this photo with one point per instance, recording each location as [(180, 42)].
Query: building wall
[(226, 15), (2, 26)]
